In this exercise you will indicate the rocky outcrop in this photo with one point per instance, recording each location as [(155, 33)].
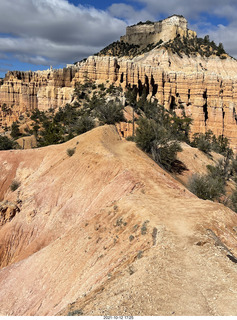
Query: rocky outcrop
[(152, 32), (8, 210), (206, 87), (25, 91)]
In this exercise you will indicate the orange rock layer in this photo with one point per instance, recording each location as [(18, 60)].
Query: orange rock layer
[(207, 87)]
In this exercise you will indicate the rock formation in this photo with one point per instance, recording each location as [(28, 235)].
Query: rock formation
[(108, 232), (152, 32), (206, 87), (26, 91)]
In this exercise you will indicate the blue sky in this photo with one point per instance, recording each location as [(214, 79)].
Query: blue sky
[(35, 34)]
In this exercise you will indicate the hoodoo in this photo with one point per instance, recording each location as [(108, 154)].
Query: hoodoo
[(166, 57), (94, 224)]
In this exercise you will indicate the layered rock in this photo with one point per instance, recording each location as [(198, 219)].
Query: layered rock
[(201, 85), (206, 87), (24, 91), (8, 211), (152, 32)]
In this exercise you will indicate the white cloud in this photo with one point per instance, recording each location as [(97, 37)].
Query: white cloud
[(54, 31), (199, 11), (58, 32), (131, 15), (189, 9), (227, 36), (45, 52)]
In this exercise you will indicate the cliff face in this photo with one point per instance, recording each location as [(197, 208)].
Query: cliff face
[(165, 30), (23, 91), (207, 87)]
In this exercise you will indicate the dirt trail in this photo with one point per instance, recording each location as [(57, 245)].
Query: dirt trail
[(107, 231)]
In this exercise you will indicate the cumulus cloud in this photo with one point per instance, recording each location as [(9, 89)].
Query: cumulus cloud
[(51, 32), (54, 31), (190, 9), (201, 13), (226, 35), (129, 13)]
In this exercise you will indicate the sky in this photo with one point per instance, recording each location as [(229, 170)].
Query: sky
[(37, 34)]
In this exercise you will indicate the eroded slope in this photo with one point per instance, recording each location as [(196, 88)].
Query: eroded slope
[(108, 230)]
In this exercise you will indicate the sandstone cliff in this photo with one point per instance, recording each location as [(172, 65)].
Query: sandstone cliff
[(165, 30), (207, 87), (26, 91)]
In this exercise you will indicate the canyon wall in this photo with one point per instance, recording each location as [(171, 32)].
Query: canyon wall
[(207, 88), (202, 86), (26, 91)]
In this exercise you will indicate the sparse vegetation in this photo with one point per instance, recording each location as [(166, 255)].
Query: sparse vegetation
[(78, 312), (89, 109), (84, 124), (140, 254), (131, 270), (206, 187), (144, 227), (209, 142), (121, 49), (212, 186), (195, 46), (15, 132), (130, 138), (7, 144), (140, 23), (15, 185), (70, 152), (159, 133), (110, 112), (190, 46), (233, 201)]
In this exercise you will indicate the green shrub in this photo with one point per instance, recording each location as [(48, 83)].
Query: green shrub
[(110, 112), (145, 133), (36, 128), (202, 142), (160, 131), (234, 166), (70, 152), (15, 132), (52, 133), (67, 115), (130, 138), (6, 143), (84, 124), (75, 313), (101, 86), (222, 169), (15, 185), (206, 187), (180, 126), (209, 142), (165, 154), (220, 145)]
